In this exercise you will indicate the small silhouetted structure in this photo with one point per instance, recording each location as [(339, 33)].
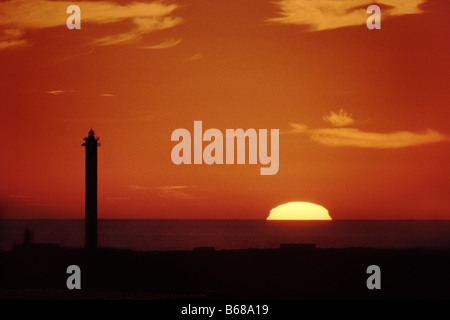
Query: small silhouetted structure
[(297, 246), (27, 237), (28, 247), (91, 144)]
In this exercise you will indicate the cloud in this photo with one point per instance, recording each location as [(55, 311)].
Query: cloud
[(12, 33), (56, 92), (195, 57), (298, 128), (169, 192), (340, 119), (12, 44), (59, 92), (170, 43), (352, 137), (40, 14), (142, 27), (176, 192), (332, 14), (10, 38)]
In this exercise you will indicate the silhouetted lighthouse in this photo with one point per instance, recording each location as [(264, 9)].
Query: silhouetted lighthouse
[(91, 144)]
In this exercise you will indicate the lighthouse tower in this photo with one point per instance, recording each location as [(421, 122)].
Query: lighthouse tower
[(91, 144)]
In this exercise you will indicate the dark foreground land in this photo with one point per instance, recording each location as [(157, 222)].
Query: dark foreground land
[(39, 272)]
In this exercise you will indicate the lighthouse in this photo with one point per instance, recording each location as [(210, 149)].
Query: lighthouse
[(91, 144)]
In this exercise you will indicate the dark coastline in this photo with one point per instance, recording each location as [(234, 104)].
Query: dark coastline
[(39, 272)]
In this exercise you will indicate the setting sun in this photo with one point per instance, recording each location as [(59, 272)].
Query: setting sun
[(299, 211)]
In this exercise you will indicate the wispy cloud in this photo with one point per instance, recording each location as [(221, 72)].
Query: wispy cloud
[(11, 38), (170, 43), (332, 14), (298, 128), (195, 57), (353, 137), (339, 119), (142, 27), (60, 92), (169, 192), (177, 192), (40, 14), (55, 92)]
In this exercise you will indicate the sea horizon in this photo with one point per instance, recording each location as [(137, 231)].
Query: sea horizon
[(187, 234)]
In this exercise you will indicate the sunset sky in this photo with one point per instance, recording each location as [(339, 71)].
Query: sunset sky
[(363, 114)]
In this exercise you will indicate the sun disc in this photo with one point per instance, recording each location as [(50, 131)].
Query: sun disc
[(299, 211)]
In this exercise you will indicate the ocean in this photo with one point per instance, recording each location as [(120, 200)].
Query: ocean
[(232, 234)]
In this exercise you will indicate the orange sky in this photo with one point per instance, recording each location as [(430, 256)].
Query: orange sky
[(136, 72)]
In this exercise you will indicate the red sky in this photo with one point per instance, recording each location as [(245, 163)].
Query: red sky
[(136, 72)]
